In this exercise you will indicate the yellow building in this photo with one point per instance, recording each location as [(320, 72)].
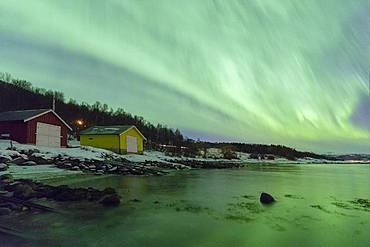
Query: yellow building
[(119, 138)]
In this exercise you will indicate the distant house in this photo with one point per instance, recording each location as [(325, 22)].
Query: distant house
[(42, 127), (119, 138)]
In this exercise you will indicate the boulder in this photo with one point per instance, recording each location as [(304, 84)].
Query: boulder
[(10, 186), (266, 198), (3, 167), (23, 191), (4, 159), (75, 168), (110, 200), (93, 194), (67, 165), (5, 211), (28, 163), (47, 191), (6, 193), (109, 190), (18, 160), (113, 169), (9, 205), (40, 160), (64, 193), (6, 178)]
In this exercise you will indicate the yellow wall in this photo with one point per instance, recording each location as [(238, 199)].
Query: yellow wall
[(134, 133), (110, 142)]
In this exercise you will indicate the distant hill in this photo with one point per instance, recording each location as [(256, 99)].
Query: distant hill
[(18, 94), (349, 157)]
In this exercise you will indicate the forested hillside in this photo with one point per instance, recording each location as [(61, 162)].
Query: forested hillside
[(20, 94)]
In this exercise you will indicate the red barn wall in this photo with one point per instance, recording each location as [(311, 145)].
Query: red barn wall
[(48, 118), (17, 130)]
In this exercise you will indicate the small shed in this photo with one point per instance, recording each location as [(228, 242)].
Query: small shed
[(118, 138), (41, 127)]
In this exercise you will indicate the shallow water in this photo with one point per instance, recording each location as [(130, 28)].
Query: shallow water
[(213, 208)]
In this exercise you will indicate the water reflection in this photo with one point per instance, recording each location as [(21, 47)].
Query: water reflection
[(316, 205)]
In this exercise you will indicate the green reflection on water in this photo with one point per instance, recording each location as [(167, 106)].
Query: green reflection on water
[(317, 205)]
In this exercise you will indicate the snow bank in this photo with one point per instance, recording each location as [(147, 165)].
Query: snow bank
[(37, 172), (83, 152), (50, 152)]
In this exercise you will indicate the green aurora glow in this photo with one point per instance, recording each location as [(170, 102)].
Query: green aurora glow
[(289, 72)]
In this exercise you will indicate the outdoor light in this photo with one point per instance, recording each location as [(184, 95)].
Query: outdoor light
[(79, 122)]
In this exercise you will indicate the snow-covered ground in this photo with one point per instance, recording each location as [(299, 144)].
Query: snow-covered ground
[(50, 152), (37, 171), (99, 154)]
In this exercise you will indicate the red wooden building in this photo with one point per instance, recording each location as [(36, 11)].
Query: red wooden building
[(42, 127)]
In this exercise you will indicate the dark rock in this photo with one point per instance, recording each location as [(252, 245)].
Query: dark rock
[(67, 165), (64, 193), (3, 167), (9, 205), (6, 193), (94, 195), (113, 169), (6, 178), (110, 200), (24, 191), (4, 159), (47, 191), (18, 160), (75, 168), (10, 186), (266, 198), (40, 160), (5, 211), (270, 157), (109, 191), (254, 156), (135, 200), (28, 163)]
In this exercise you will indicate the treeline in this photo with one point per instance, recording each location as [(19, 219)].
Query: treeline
[(16, 94), (257, 151), (261, 150)]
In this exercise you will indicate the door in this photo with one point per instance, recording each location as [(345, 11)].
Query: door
[(131, 144), (48, 135)]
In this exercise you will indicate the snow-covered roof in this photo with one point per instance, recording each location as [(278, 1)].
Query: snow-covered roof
[(109, 130), (20, 115), (27, 115)]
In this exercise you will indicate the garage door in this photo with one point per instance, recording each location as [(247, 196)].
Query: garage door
[(48, 135), (131, 144)]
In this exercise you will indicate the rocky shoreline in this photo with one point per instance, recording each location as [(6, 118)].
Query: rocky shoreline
[(18, 195), (200, 164), (107, 165)]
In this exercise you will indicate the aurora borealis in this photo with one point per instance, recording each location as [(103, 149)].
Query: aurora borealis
[(291, 72)]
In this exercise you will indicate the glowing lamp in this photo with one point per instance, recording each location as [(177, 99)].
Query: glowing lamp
[(79, 122)]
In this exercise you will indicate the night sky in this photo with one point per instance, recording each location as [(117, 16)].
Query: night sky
[(291, 72)]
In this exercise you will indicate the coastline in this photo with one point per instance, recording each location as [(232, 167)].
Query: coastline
[(24, 166)]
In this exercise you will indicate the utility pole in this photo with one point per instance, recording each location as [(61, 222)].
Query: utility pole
[(53, 101)]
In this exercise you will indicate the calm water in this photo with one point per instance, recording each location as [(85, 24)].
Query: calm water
[(214, 208)]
